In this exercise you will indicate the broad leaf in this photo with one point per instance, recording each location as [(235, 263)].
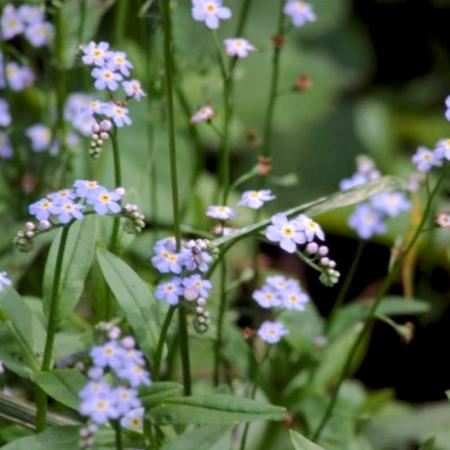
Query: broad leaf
[(301, 443), (62, 385), (25, 327), (134, 297), (51, 439), (78, 256), (322, 205), (214, 409), (202, 438), (159, 391)]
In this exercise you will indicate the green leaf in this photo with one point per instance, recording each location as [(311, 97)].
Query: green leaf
[(25, 327), (402, 306), (429, 444), (155, 393), (301, 443), (134, 297), (17, 410), (51, 439), (71, 18), (322, 205), (78, 256), (214, 409), (62, 385), (202, 438)]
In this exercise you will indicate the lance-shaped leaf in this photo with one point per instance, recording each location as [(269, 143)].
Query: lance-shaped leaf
[(63, 385), (78, 256), (24, 326), (157, 392), (134, 297), (203, 438), (322, 205), (214, 409), (301, 443)]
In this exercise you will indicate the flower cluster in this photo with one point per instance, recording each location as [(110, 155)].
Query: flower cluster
[(194, 256), (117, 371), (425, 159), (304, 231), (28, 20), (67, 205), (300, 12), (369, 218), (4, 280)]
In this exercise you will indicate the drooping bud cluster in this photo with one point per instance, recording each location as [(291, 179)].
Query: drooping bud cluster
[(136, 221), (202, 317), (87, 434), (329, 276), (24, 238), (100, 134)]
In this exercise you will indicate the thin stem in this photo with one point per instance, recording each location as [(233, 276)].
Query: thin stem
[(118, 183), (169, 72), (41, 418), (220, 320), (257, 368), (372, 311), (345, 286), (162, 340), (275, 79)]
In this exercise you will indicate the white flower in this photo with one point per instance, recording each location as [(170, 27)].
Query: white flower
[(238, 47)]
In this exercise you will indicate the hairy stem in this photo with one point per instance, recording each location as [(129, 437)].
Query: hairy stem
[(372, 311), (41, 418)]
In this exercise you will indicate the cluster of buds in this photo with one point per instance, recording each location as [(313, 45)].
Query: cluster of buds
[(109, 329), (329, 276), (24, 239), (202, 317), (100, 134), (136, 221), (87, 434)]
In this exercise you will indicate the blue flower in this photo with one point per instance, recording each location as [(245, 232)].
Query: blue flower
[(167, 261), (39, 34), (170, 291), (67, 211), (4, 280), (126, 399), (41, 137), (300, 12), (195, 256), (211, 12), (256, 199), (134, 419), (135, 375), (267, 297), (118, 114), (195, 286), (391, 203), (294, 299), (286, 233), (272, 332), (105, 202), (221, 212), (6, 150), (5, 116), (310, 228), (119, 61), (442, 150), (95, 389), (100, 409), (367, 221), (238, 47), (87, 188), (105, 78), (108, 355), (425, 159), (96, 54), (133, 89), (11, 23), (41, 209), (62, 196)]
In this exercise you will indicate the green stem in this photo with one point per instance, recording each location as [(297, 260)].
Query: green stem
[(162, 340), (41, 418), (118, 183), (117, 434), (169, 72), (372, 311), (220, 320), (257, 369), (83, 11), (345, 286)]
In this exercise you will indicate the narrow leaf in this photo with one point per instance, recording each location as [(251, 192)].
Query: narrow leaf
[(157, 392), (62, 385), (134, 297), (301, 443), (78, 256), (402, 306), (202, 438), (215, 409), (322, 205)]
